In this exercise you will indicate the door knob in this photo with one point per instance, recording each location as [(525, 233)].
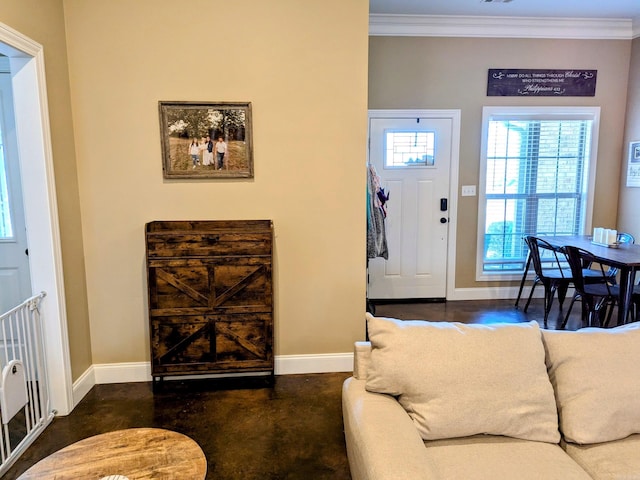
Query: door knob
[(443, 220)]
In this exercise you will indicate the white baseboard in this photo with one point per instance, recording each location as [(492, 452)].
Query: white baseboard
[(123, 372), (493, 293), (109, 373), (141, 371), (498, 293), (320, 363), (488, 293), (83, 384)]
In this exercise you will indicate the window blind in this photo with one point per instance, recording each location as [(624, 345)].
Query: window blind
[(536, 184)]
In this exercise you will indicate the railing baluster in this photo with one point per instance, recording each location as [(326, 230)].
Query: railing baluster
[(22, 340)]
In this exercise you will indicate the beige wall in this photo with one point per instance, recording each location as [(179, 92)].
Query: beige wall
[(410, 72), (303, 65), (43, 21), (629, 216)]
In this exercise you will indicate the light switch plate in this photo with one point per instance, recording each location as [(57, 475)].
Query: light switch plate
[(468, 190)]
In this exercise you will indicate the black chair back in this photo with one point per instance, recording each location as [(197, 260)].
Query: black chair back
[(624, 237), (597, 297), (613, 271), (554, 278), (536, 245), (577, 257)]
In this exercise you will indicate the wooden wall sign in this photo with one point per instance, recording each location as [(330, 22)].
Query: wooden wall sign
[(515, 82)]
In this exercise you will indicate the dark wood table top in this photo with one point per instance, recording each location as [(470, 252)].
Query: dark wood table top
[(626, 255), (135, 453)]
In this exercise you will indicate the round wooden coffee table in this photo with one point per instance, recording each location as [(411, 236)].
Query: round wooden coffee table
[(134, 453)]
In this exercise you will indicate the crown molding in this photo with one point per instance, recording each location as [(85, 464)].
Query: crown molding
[(502, 27)]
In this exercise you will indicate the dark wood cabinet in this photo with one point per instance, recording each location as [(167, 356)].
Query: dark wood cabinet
[(210, 297)]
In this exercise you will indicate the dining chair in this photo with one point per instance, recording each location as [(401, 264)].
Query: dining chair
[(624, 237), (612, 272), (525, 273), (635, 303), (635, 298), (553, 278), (593, 275), (598, 298), (590, 276)]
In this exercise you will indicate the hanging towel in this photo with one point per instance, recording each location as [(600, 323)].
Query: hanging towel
[(376, 213)]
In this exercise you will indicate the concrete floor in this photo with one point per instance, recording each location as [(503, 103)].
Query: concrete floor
[(291, 430)]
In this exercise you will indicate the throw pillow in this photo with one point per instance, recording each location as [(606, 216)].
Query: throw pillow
[(596, 376), (457, 380)]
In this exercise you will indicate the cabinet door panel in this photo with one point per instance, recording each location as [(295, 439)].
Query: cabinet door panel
[(242, 285), (182, 339), (243, 338), (181, 287), (207, 285)]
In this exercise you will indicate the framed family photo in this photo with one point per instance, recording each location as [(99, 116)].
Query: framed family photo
[(206, 139)]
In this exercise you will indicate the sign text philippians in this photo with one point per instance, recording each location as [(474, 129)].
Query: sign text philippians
[(505, 82)]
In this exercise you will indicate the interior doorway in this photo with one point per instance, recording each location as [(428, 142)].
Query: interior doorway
[(415, 154), (15, 279), (35, 156)]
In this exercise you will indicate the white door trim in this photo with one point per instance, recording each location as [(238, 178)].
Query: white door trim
[(454, 115), (41, 214)]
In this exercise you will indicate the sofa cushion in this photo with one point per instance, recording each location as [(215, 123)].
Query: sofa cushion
[(484, 457), (596, 379), (361, 359), (457, 380), (616, 460)]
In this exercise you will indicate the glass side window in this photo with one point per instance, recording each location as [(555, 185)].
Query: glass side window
[(409, 149), (535, 168), (6, 228)]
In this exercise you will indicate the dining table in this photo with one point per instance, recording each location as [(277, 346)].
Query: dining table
[(624, 256)]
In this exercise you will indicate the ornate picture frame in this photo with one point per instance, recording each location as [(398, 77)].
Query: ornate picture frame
[(206, 139)]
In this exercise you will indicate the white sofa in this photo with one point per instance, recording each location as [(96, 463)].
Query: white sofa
[(437, 400)]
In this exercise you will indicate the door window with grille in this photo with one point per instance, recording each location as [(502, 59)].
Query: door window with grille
[(536, 179), (403, 148)]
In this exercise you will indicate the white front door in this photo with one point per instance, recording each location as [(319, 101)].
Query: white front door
[(15, 280), (412, 157)]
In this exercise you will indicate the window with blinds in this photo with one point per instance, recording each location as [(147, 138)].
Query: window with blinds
[(534, 181)]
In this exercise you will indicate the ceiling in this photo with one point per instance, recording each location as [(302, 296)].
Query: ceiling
[(610, 9)]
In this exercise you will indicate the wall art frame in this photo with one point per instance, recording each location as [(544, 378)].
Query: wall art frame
[(206, 139), (633, 165)]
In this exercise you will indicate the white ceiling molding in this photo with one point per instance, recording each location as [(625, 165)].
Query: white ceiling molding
[(501, 27)]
